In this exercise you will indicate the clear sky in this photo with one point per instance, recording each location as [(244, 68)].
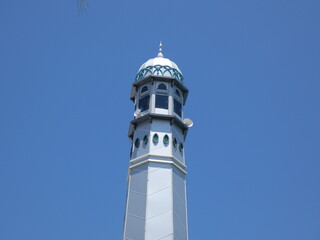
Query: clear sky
[(253, 154)]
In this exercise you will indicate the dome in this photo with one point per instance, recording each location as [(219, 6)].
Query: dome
[(159, 66), (159, 61)]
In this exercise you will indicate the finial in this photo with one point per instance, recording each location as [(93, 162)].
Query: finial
[(160, 50)]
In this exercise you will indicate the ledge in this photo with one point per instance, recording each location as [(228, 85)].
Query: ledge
[(150, 116), (150, 158)]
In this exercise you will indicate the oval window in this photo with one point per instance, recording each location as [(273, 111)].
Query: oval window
[(145, 139), (166, 139), (181, 147), (175, 142), (137, 143), (155, 138)]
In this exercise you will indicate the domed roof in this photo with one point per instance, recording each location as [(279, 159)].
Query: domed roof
[(159, 61), (159, 66)]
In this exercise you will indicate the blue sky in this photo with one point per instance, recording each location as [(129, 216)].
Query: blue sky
[(253, 154)]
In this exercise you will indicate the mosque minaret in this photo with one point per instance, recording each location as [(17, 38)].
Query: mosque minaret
[(156, 206)]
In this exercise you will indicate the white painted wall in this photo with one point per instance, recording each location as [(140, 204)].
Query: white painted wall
[(156, 204)]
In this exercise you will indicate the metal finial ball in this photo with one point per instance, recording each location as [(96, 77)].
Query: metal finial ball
[(160, 50)]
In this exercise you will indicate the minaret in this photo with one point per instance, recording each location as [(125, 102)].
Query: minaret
[(156, 199)]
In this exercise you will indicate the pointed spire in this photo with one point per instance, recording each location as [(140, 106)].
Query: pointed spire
[(160, 50)]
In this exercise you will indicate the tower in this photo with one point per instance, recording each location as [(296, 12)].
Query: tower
[(156, 205)]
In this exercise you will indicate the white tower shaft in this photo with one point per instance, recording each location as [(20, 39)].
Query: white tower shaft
[(156, 199), (156, 207)]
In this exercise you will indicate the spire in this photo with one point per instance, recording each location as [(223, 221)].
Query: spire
[(160, 50)]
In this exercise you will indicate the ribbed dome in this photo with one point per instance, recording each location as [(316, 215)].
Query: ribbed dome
[(159, 61), (159, 66)]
